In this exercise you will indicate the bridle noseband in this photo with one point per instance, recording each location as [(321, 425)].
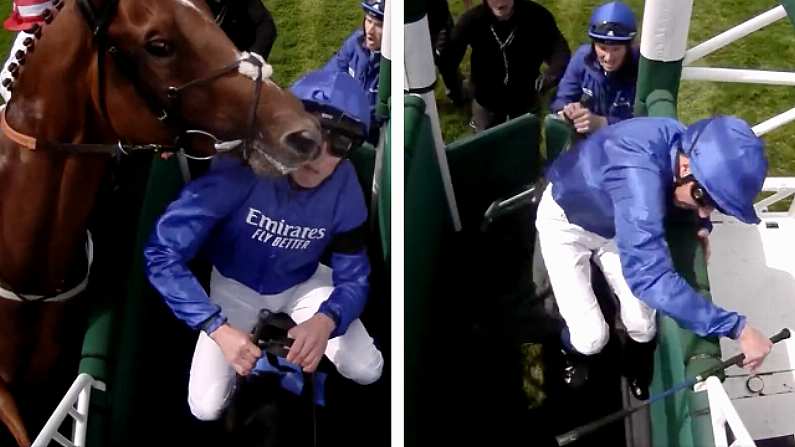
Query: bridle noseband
[(166, 111)]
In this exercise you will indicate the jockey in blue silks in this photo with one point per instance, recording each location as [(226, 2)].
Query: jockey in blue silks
[(360, 57), (607, 201), (598, 87), (265, 238)]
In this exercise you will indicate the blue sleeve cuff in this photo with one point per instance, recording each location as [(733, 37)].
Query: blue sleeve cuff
[(331, 314), (213, 323), (738, 328)]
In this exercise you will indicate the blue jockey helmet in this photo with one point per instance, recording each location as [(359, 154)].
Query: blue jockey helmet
[(335, 96), (375, 8), (613, 22), (728, 160)]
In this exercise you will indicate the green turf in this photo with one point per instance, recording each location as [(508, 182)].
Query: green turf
[(309, 32), (772, 48)]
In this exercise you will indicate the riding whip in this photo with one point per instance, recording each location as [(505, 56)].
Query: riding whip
[(577, 433)]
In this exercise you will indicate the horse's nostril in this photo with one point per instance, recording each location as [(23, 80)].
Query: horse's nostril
[(303, 142)]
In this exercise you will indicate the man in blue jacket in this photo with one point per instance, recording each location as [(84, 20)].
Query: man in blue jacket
[(265, 238), (360, 57), (598, 87), (607, 200)]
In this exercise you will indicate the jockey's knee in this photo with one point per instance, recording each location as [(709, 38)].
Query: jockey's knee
[(363, 370), (642, 332), (209, 404), (590, 342), (205, 411)]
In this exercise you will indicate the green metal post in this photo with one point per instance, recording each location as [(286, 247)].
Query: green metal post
[(681, 420), (789, 6)]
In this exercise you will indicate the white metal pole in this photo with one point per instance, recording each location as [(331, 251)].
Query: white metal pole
[(50, 429), (420, 75), (775, 122), (733, 34), (81, 420), (738, 75), (665, 27)]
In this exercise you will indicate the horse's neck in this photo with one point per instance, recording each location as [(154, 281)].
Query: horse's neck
[(45, 197)]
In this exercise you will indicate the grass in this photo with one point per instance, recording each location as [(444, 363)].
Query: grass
[(309, 33), (772, 48)]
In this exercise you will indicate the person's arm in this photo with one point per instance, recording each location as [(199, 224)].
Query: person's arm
[(351, 271), (351, 268), (456, 48), (639, 207), (350, 276), (177, 237), (570, 88), (339, 61), (265, 33), (557, 52)]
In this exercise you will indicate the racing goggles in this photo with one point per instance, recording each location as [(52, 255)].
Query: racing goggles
[(698, 193), (340, 141), (611, 33)]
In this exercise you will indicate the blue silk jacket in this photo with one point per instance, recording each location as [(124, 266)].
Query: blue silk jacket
[(618, 183), (265, 233)]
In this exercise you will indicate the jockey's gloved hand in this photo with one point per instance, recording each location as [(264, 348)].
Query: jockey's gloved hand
[(237, 347)]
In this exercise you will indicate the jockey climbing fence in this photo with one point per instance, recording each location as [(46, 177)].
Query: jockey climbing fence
[(75, 403), (744, 76)]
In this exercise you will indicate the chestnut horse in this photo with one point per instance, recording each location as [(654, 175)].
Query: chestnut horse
[(102, 77)]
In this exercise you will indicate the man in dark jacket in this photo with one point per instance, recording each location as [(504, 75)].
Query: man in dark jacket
[(248, 24), (440, 25), (510, 39)]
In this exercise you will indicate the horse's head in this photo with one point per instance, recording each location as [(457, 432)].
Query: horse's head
[(169, 57)]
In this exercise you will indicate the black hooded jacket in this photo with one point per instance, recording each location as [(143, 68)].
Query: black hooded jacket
[(529, 37), (248, 24)]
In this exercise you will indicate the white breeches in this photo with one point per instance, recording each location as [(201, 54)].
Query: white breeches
[(212, 379), (567, 250)]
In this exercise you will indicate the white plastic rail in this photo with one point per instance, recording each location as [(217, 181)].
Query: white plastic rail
[(723, 413), (80, 394)]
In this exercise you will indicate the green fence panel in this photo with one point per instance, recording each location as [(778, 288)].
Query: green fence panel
[(493, 164), (426, 221), (130, 396), (558, 136), (385, 191), (682, 420)]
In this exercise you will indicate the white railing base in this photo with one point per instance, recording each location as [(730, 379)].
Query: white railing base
[(724, 415), (79, 393)]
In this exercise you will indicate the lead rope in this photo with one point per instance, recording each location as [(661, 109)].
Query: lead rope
[(503, 46)]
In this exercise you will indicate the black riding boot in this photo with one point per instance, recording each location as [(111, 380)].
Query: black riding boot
[(574, 368), (639, 366)]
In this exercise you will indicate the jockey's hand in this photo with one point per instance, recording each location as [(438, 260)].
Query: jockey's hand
[(585, 121), (309, 341), (237, 347), (755, 346), (703, 239), (570, 110)]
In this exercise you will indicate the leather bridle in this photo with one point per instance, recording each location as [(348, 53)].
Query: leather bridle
[(98, 21)]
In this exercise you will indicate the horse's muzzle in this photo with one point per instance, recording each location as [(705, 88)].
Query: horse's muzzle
[(306, 143)]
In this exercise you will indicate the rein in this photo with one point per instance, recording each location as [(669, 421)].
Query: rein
[(98, 22)]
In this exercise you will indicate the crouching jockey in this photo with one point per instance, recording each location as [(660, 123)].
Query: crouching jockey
[(598, 87), (607, 201), (24, 15), (265, 238), (360, 57)]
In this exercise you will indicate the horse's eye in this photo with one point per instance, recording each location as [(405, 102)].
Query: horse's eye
[(159, 48)]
